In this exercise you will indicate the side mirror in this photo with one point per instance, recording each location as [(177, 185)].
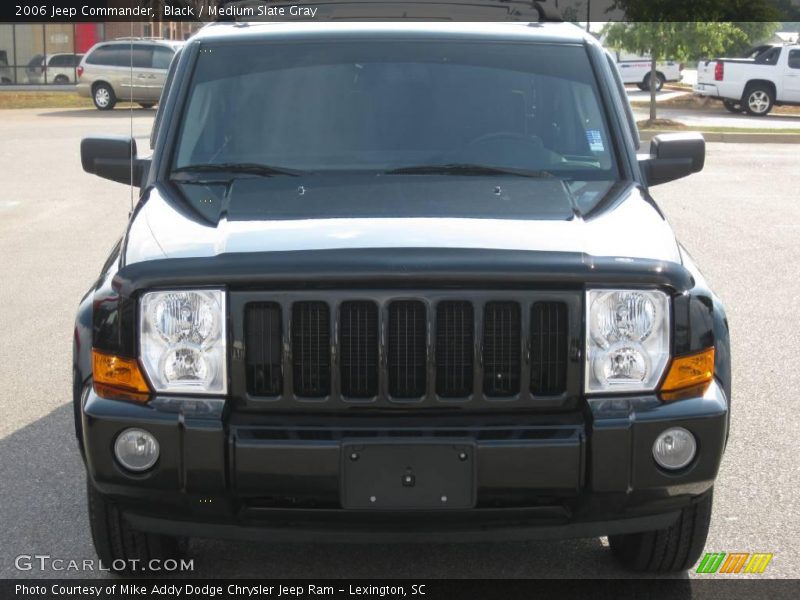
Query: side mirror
[(114, 158), (672, 156)]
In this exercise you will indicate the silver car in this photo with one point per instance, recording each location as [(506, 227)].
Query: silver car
[(130, 70), (53, 68)]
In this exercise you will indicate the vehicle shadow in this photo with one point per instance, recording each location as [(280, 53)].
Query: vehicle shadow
[(46, 514), (92, 113)]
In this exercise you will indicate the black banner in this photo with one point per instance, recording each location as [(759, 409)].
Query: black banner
[(507, 589), (68, 11)]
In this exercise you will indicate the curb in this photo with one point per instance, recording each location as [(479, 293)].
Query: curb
[(734, 137), (27, 87)]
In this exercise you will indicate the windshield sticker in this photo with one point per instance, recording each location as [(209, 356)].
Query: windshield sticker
[(595, 141)]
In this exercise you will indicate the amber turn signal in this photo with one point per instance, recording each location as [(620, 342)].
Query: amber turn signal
[(118, 375), (688, 375)]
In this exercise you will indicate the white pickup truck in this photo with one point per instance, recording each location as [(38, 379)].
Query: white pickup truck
[(769, 76)]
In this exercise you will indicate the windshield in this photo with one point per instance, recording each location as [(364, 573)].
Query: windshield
[(383, 106)]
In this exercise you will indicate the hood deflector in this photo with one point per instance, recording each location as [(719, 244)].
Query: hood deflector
[(401, 267)]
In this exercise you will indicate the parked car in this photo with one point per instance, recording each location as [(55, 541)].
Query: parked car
[(399, 281), (127, 69), (636, 69), (6, 76), (769, 76), (53, 68)]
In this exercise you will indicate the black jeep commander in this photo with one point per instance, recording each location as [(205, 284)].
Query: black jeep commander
[(399, 281)]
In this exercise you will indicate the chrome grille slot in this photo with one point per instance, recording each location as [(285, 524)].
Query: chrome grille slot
[(454, 349), (549, 348), (501, 349), (311, 351), (406, 349), (264, 343), (358, 349)]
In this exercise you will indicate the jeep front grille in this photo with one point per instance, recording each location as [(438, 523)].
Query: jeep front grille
[(443, 348), (501, 349), (455, 348), (407, 349), (311, 349), (264, 339), (548, 345), (358, 349)]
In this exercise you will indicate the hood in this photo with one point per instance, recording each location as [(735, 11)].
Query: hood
[(598, 219)]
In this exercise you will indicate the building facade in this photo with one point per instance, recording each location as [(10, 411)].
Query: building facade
[(36, 54)]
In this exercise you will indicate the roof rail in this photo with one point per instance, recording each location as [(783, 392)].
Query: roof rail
[(139, 38), (510, 10)]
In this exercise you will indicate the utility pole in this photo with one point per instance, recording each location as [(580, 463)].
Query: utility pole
[(588, 14)]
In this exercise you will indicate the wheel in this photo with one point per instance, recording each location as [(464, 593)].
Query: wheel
[(61, 80), (642, 87), (731, 106), (758, 100), (146, 104), (659, 82), (116, 541), (676, 548), (103, 96)]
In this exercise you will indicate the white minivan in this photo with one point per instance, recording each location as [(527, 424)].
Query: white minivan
[(133, 69)]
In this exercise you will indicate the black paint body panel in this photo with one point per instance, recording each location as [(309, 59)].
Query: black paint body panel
[(573, 466)]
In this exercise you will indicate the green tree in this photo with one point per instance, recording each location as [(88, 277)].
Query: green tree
[(697, 11), (676, 40), (755, 32)]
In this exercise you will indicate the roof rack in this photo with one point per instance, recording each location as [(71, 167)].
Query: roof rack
[(496, 10), (139, 39)]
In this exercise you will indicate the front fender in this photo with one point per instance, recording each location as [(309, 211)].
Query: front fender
[(707, 324), (82, 339)]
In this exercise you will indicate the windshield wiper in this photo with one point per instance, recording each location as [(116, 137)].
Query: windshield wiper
[(465, 169), (239, 168)]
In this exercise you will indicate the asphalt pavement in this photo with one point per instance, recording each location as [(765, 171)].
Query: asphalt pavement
[(739, 218)]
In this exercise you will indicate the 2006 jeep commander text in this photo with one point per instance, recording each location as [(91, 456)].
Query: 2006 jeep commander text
[(399, 281)]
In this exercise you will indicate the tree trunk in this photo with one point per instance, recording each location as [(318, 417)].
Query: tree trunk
[(652, 89)]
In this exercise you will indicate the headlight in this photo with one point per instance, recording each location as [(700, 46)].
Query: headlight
[(627, 340), (183, 341)]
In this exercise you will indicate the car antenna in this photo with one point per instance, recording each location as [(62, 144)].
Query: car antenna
[(130, 88)]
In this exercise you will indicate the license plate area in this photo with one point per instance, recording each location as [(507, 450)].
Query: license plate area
[(413, 474)]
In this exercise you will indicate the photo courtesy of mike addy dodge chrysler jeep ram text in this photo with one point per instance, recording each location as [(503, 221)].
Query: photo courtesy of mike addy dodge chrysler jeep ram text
[(399, 281)]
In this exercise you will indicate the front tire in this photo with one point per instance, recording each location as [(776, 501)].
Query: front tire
[(758, 100), (103, 96), (676, 548), (115, 540)]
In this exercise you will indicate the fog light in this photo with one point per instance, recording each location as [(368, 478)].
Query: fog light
[(674, 448), (136, 449)]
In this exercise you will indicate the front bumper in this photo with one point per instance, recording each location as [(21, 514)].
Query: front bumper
[(569, 475)]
